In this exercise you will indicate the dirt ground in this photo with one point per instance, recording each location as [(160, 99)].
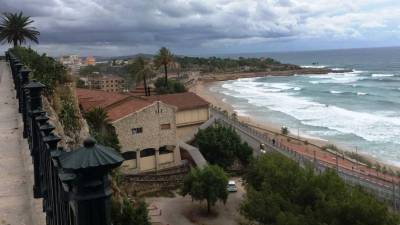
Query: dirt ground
[(183, 211)]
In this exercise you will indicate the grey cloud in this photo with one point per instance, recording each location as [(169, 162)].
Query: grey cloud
[(179, 24)]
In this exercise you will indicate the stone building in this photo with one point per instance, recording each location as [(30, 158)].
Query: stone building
[(109, 83), (192, 110), (146, 129)]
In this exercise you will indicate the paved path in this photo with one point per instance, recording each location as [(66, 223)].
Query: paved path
[(17, 205)]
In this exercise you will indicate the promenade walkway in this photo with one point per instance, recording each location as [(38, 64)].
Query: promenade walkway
[(17, 205)]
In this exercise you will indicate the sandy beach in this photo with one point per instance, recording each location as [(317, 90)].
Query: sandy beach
[(201, 88)]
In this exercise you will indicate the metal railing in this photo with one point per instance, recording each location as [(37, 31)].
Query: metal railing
[(73, 184)]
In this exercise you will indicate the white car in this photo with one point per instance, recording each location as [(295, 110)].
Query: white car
[(232, 186)]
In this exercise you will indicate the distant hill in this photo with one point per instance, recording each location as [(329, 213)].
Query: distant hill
[(126, 57)]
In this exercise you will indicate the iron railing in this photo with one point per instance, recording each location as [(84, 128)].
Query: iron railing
[(73, 184)]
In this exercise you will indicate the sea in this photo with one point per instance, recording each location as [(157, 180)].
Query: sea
[(358, 111)]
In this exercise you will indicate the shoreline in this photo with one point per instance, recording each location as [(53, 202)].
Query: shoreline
[(236, 75), (201, 88)]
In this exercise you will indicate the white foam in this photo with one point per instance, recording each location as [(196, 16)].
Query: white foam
[(336, 78), (297, 88), (336, 92), (313, 66), (369, 126), (382, 75), (361, 93)]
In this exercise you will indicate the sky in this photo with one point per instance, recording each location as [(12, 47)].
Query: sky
[(204, 27)]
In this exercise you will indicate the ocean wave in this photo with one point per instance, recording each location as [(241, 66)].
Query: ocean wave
[(382, 75), (297, 88), (347, 93), (368, 126), (336, 78)]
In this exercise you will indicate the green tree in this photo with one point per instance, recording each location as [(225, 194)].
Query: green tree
[(280, 192), (14, 28), (143, 71), (208, 184), (45, 69), (173, 86), (164, 58), (126, 213), (101, 129), (221, 145)]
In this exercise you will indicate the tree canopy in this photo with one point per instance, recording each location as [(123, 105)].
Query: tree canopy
[(126, 213), (173, 86), (215, 64), (164, 58), (14, 28), (280, 192), (209, 183), (101, 129), (45, 69), (221, 145)]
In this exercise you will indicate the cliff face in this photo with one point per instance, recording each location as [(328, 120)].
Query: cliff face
[(69, 140)]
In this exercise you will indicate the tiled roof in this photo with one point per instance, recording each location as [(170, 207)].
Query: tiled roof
[(183, 101), (119, 105), (89, 99), (126, 107)]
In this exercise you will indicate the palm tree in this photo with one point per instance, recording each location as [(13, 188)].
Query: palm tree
[(143, 72), (14, 28), (97, 119), (164, 58)]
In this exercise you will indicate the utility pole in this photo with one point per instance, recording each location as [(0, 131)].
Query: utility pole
[(298, 132), (337, 164)]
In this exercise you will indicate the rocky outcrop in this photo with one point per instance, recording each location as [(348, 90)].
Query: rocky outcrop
[(68, 140)]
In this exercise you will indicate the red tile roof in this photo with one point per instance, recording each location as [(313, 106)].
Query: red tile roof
[(119, 105), (183, 101), (127, 107), (89, 99)]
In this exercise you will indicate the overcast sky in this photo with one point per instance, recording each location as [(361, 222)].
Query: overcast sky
[(122, 27)]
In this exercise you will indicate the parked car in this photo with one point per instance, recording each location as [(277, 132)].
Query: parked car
[(232, 186)]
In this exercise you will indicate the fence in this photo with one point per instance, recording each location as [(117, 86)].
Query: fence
[(382, 188), (74, 184)]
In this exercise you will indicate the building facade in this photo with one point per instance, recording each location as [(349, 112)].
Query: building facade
[(192, 110), (148, 138), (108, 83), (146, 129), (90, 61)]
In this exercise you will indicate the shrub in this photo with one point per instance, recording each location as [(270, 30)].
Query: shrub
[(284, 130)]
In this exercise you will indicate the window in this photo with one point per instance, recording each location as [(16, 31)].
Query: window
[(163, 150), (137, 130), (147, 152), (165, 126), (129, 155)]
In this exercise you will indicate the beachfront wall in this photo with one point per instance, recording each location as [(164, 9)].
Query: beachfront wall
[(73, 184), (189, 120), (142, 134)]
